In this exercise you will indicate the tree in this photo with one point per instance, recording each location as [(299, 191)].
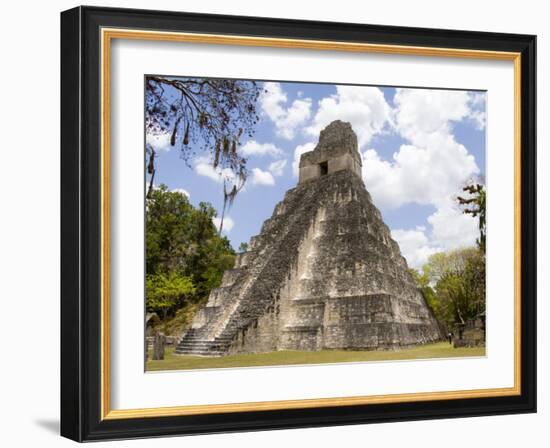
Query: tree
[(441, 263), (185, 256), (202, 114), (422, 280), (474, 205), (166, 291), (243, 247), (459, 285)]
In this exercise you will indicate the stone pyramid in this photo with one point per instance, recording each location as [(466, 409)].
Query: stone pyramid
[(324, 272)]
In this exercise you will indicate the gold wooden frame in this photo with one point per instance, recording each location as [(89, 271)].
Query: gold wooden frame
[(107, 35)]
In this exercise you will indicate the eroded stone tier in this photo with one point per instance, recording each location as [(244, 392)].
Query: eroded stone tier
[(324, 272)]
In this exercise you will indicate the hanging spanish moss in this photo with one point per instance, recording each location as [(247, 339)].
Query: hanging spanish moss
[(174, 132), (229, 194), (186, 136)]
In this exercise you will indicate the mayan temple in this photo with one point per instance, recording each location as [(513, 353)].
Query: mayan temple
[(324, 272)]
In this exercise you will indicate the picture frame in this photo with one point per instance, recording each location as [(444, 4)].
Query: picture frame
[(86, 37)]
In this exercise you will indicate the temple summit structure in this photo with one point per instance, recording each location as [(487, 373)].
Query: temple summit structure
[(324, 272)]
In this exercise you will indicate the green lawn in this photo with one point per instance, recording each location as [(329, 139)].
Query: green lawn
[(437, 350)]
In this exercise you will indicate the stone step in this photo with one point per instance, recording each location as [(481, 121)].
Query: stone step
[(205, 344), (206, 341), (230, 276), (273, 233), (205, 354), (205, 349), (243, 259)]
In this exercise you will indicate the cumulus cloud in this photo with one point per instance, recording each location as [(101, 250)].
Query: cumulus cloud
[(480, 118), (287, 119), (277, 168), (415, 245), (181, 190), (364, 107), (430, 169), (420, 113), (452, 229), (433, 166), (252, 147), (300, 149), (478, 109), (203, 167), (228, 223), (260, 177), (159, 142), (422, 175)]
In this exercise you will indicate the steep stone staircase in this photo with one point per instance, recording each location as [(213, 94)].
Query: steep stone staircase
[(248, 289)]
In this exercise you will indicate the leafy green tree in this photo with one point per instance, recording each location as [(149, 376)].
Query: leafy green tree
[(441, 263), (185, 255), (422, 280), (243, 247), (459, 285), (167, 291)]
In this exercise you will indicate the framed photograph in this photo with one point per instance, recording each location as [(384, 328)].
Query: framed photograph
[(273, 223)]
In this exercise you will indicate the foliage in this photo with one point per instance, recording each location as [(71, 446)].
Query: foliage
[(243, 247), (441, 263), (453, 284), (207, 115), (474, 205), (423, 282), (166, 291), (185, 256)]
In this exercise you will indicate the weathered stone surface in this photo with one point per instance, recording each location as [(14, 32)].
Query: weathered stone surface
[(159, 342), (324, 272), (336, 151)]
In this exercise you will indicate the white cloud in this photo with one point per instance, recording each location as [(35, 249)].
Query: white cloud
[(480, 119), (277, 168), (430, 169), (159, 142), (364, 107), (300, 149), (181, 190), (252, 147), (422, 175), (415, 246), (228, 224), (203, 167), (420, 113), (478, 108), (286, 119), (260, 177), (452, 229), (477, 99), (434, 166)]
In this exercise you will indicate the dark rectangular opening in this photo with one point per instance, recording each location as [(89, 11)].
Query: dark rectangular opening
[(324, 168)]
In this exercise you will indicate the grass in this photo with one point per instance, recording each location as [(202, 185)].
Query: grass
[(436, 350)]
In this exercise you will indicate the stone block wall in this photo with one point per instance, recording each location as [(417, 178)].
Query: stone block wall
[(324, 272)]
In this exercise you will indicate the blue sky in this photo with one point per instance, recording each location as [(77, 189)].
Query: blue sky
[(419, 147)]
